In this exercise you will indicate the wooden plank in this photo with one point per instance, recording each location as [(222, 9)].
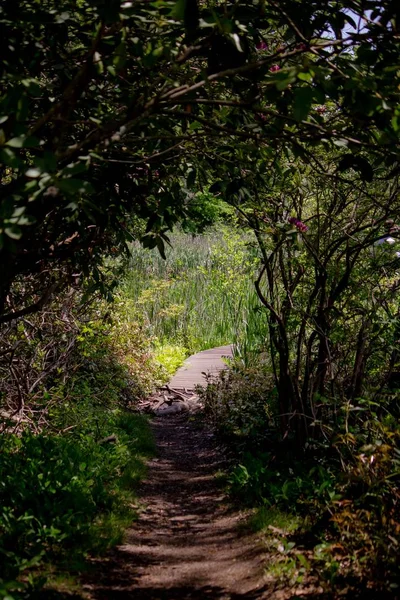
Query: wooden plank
[(191, 372)]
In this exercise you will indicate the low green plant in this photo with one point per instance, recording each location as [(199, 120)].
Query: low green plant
[(170, 356), (340, 492), (241, 404), (266, 517), (71, 463), (62, 496)]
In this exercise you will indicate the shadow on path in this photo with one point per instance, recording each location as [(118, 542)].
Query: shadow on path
[(186, 543)]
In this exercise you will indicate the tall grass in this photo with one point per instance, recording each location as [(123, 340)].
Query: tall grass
[(203, 294)]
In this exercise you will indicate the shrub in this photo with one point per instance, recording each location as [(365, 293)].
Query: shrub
[(59, 494), (75, 370), (241, 403)]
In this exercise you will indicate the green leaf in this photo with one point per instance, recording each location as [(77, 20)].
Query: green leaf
[(161, 247), (14, 232), (22, 107), (148, 241), (236, 40), (120, 56), (195, 125), (33, 172), (18, 211), (98, 63), (178, 11), (303, 98), (23, 141), (305, 76), (33, 86), (341, 143), (395, 123), (284, 82), (75, 186)]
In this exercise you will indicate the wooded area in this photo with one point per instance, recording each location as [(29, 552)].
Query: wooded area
[(180, 175)]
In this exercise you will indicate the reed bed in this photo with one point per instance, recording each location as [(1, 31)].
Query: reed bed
[(202, 295)]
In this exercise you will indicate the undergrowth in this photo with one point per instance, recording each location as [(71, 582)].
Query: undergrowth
[(72, 451), (64, 496), (329, 512)]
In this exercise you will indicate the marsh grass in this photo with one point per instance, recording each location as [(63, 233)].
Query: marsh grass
[(202, 295)]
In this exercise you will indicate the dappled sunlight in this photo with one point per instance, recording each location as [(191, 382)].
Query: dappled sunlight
[(187, 536)]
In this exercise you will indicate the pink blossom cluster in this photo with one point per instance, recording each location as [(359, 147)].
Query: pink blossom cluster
[(262, 46), (299, 224), (275, 68)]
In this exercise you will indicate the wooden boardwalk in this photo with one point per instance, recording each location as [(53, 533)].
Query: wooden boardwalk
[(191, 373)]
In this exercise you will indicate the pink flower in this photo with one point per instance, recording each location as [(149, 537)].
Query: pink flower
[(275, 68), (262, 46), (302, 227)]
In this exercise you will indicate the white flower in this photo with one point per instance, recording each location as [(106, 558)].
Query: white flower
[(386, 239)]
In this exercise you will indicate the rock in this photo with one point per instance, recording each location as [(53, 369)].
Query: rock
[(171, 410)]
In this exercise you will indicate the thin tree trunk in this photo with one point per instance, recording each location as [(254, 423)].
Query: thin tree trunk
[(357, 379)]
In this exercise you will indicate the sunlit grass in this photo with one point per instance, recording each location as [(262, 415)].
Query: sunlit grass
[(201, 296), (274, 520)]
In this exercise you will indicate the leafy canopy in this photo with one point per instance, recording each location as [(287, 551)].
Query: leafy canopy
[(112, 113)]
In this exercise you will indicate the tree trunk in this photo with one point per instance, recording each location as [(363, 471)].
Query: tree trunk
[(357, 379)]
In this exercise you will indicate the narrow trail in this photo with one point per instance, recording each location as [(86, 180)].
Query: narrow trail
[(187, 543)]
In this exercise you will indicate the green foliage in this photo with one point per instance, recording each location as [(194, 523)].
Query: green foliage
[(266, 517), (202, 295), (117, 121), (65, 490), (262, 479), (340, 491), (76, 353), (328, 284), (204, 210), (133, 346), (170, 357), (122, 113), (240, 404), (64, 495)]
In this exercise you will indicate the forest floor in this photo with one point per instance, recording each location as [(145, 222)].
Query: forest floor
[(189, 542)]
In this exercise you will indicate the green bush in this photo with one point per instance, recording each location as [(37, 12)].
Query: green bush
[(241, 404), (63, 492), (60, 494), (342, 489)]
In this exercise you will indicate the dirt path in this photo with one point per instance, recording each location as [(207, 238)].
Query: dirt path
[(187, 542)]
